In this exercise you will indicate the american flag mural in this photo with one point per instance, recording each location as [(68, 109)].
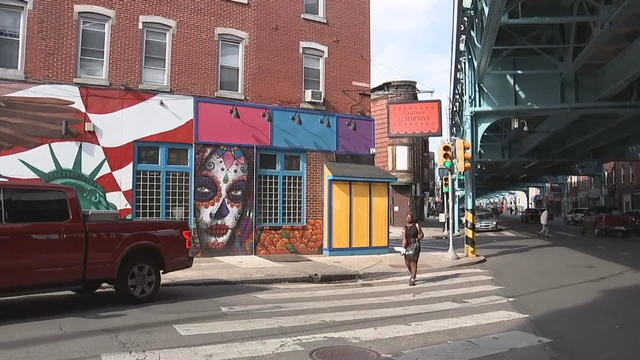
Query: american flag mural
[(43, 136)]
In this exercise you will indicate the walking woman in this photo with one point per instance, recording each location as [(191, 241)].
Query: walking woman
[(411, 242)]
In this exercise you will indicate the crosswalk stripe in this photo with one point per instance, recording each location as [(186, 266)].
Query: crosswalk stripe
[(362, 290), (315, 304), (316, 318), (427, 275), (274, 346), (474, 348)]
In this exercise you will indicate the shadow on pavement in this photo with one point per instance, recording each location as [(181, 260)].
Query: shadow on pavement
[(103, 304)]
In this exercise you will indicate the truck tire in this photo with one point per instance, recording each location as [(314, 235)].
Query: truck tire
[(88, 288), (138, 280)]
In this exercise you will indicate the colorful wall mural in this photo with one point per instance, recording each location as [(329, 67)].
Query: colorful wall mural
[(43, 137), (223, 195), (305, 240)]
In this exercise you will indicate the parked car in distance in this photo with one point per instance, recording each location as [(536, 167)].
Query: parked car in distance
[(486, 221), (47, 243), (530, 214), (574, 216), (601, 221)]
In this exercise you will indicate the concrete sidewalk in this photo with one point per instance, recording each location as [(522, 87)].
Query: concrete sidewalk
[(311, 268)]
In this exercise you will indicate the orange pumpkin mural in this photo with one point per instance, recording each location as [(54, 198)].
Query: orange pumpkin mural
[(305, 240)]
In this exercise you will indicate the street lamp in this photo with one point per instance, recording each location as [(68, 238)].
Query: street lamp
[(515, 123)]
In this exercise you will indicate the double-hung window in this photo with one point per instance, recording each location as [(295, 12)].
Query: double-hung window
[(93, 57), (281, 188), (12, 20), (156, 61), (313, 70), (314, 10), (231, 62), (163, 181)]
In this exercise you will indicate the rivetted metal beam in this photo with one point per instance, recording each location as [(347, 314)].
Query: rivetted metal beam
[(618, 73), (549, 20), (613, 135), (548, 128), (489, 33), (626, 12)]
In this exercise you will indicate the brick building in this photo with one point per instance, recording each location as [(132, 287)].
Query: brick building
[(221, 112), (406, 158)]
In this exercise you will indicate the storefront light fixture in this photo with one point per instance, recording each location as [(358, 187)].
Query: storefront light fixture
[(267, 114), (297, 118), (234, 112), (352, 124), (326, 121)]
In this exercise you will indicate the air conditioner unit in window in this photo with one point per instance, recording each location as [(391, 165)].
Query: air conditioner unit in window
[(313, 96)]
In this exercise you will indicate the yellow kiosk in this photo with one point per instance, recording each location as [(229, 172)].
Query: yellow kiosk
[(356, 213)]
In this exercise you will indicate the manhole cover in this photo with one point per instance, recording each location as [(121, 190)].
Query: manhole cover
[(344, 353)]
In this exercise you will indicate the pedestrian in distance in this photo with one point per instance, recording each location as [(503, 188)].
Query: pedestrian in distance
[(411, 243), (544, 222)]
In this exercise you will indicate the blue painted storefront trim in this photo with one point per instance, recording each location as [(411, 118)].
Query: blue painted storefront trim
[(374, 250)]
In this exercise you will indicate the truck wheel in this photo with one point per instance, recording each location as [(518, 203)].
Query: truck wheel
[(138, 280), (88, 288)]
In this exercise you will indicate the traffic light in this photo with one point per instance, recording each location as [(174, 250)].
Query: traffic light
[(445, 184), (464, 155), (446, 155)]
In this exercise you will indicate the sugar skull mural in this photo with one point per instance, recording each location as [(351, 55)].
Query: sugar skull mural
[(223, 200)]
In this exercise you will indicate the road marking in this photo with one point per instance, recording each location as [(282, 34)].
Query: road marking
[(315, 304), (405, 278), (563, 233), (371, 289), (276, 346), (248, 261), (474, 348), (214, 327)]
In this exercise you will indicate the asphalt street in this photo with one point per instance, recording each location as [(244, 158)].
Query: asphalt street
[(568, 297)]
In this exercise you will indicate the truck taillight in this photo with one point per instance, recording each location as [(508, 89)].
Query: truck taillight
[(188, 238)]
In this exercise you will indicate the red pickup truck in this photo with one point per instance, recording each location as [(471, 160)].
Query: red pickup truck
[(48, 244)]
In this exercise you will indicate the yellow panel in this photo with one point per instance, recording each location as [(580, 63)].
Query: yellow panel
[(341, 214), (380, 216), (361, 214)]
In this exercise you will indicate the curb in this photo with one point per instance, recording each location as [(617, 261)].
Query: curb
[(311, 278)]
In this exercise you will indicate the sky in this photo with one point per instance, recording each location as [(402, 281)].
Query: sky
[(411, 40)]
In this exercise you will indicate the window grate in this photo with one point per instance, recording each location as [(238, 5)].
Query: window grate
[(292, 204), (176, 196), (148, 194), (268, 195)]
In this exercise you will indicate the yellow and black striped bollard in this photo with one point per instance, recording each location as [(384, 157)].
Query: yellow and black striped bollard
[(470, 233)]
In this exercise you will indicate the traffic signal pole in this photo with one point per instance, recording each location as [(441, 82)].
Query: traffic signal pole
[(451, 254)]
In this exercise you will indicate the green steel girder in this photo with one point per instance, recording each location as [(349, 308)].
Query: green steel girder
[(557, 65)]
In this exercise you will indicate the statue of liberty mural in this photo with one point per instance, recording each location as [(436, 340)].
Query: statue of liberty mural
[(223, 198)]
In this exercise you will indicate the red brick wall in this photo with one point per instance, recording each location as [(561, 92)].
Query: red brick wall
[(380, 115), (315, 183), (273, 63)]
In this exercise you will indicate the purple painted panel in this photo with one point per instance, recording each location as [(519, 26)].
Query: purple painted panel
[(355, 141)]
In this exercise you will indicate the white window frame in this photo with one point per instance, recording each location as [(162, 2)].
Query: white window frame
[(320, 16), (631, 174), (157, 23), (241, 38), (622, 174), (98, 13), (23, 6), (304, 46)]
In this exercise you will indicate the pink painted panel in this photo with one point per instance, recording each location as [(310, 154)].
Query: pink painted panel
[(215, 124)]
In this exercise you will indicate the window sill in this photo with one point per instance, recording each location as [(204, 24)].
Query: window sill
[(230, 95), (163, 88), (315, 18), (90, 81), (240, 1), (11, 74), (306, 105)]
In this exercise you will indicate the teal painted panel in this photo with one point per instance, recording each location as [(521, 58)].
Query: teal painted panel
[(310, 135)]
